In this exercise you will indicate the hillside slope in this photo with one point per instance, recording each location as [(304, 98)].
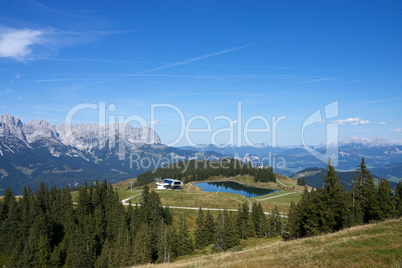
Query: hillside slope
[(373, 245), (313, 177)]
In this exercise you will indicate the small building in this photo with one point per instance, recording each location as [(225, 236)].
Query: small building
[(169, 184)]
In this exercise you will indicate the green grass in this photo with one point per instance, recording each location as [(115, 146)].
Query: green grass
[(193, 196), (197, 199), (127, 194), (122, 194), (74, 196), (282, 202), (374, 245)]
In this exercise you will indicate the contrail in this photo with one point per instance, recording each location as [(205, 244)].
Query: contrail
[(182, 62)]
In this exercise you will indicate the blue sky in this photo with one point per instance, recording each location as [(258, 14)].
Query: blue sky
[(207, 58)]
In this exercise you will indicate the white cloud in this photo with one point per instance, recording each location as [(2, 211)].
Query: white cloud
[(397, 130), (354, 121), (367, 131), (16, 43), (153, 123), (3, 107), (30, 44), (233, 122), (381, 123)]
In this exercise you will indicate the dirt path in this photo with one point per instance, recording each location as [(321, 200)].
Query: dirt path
[(125, 201), (280, 182), (275, 196)]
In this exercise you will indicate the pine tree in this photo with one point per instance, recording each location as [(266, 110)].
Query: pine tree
[(292, 228), (200, 232), (275, 221), (9, 228), (386, 205), (210, 229), (370, 205), (43, 252), (185, 243), (226, 232), (398, 199), (244, 223), (256, 216), (165, 245), (142, 246), (359, 200), (333, 197)]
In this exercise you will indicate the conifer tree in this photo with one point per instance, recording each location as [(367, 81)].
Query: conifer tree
[(256, 218), (333, 197), (185, 243), (359, 199), (244, 222), (226, 232), (200, 232), (142, 246), (275, 221), (9, 231), (398, 199), (165, 245), (292, 228), (385, 201), (210, 229)]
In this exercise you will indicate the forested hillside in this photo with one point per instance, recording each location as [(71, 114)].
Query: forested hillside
[(46, 229), (331, 208), (313, 177), (199, 170)]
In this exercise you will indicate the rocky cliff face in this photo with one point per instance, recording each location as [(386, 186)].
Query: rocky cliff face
[(70, 154), (78, 137)]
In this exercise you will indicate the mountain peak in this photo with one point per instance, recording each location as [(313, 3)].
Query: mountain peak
[(10, 119), (81, 136), (369, 142)]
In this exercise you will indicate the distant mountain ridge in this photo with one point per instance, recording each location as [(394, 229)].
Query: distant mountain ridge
[(69, 154), (314, 177), (62, 154), (80, 136), (365, 142), (378, 152)]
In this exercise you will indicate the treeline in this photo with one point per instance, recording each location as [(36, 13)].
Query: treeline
[(47, 229), (331, 209), (230, 227), (301, 182), (199, 170)]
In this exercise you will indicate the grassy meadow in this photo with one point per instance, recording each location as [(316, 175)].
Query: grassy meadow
[(373, 245)]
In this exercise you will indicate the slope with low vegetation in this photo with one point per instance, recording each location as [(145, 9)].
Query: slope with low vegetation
[(372, 245)]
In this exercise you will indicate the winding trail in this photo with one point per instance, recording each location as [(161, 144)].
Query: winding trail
[(280, 182), (125, 203), (275, 196)]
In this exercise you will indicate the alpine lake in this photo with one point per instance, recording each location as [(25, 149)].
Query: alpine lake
[(234, 188)]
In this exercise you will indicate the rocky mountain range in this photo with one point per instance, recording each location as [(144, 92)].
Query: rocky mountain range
[(69, 154), (357, 141), (382, 155)]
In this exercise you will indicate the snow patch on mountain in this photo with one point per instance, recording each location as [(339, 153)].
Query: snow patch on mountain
[(366, 142), (75, 137)]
